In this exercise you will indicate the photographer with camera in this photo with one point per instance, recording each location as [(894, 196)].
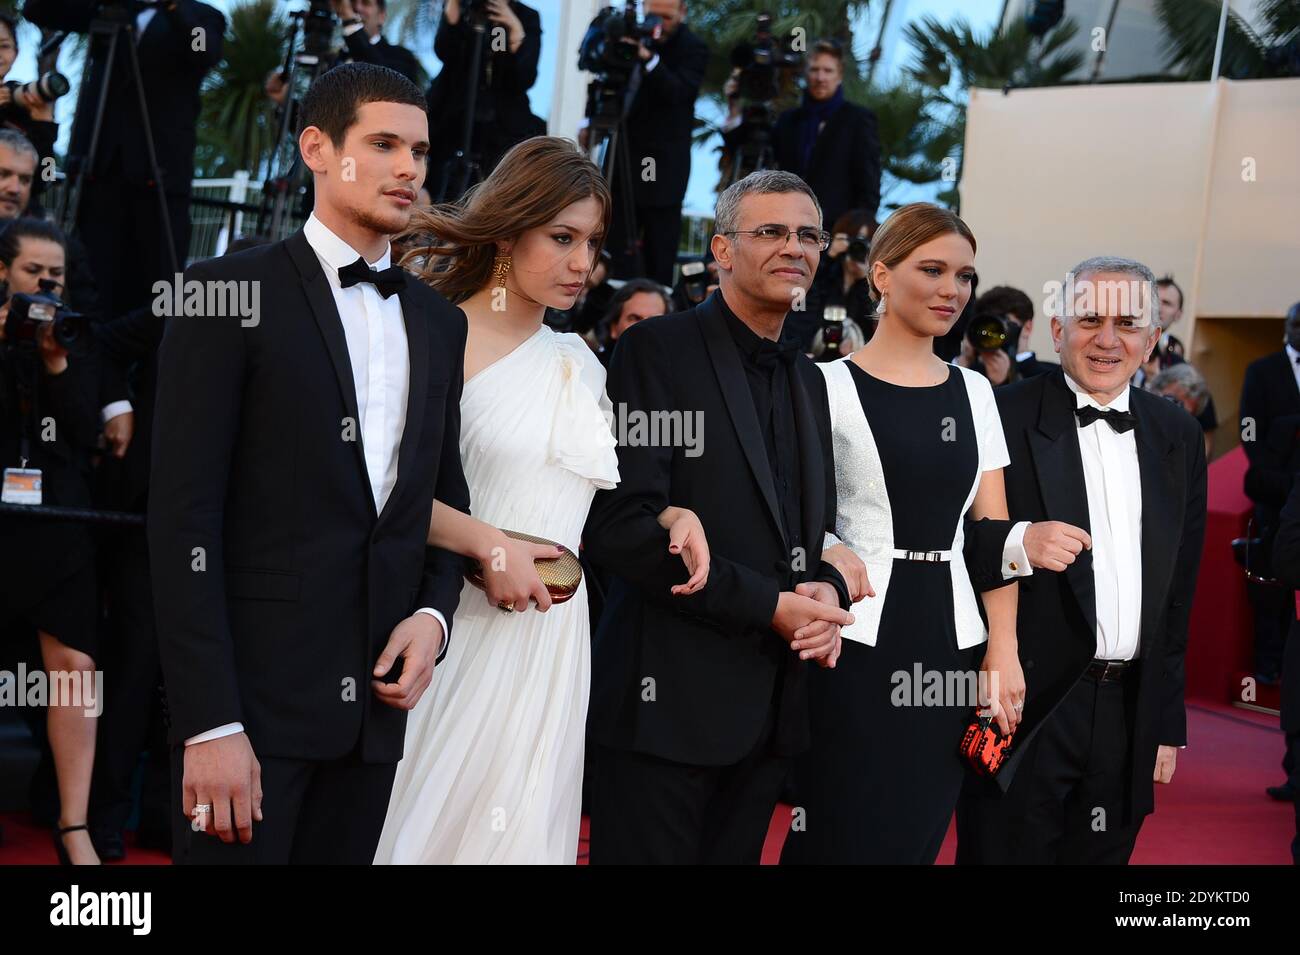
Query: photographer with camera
[(18, 165), (1003, 322), (512, 44), (362, 25), (660, 120), (49, 423), (841, 281), (28, 107), (176, 43), (829, 142)]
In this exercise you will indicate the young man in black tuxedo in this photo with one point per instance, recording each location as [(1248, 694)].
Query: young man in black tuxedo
[(699, 702), (297, 454), (1113, 478)]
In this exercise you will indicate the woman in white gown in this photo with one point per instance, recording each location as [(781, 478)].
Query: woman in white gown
[(492, 771)]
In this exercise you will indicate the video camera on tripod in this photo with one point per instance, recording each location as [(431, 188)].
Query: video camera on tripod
[(765, 66), (318, 22), (605, 53)]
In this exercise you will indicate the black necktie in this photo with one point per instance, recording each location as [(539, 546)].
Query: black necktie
[(388, 281), (1120, 421)]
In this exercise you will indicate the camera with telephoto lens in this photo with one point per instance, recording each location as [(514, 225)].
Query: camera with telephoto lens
[(859, 249), (29, 312), (827, 344), (990, 331), (695, 281), (48, 86)]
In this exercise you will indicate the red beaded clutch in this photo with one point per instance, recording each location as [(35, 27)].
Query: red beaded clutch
[(983, 745)]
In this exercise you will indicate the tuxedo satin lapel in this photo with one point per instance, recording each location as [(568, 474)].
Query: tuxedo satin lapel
[(417, 345), (321, 299), (1161, 522), (740, 403), (1059, 467), (812, 477)]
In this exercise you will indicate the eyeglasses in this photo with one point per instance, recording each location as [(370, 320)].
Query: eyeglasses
[(813, 240)]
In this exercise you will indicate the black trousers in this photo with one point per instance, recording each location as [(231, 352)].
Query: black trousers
[(1068, 801), (647, 810), (132, 719), (658, 230), (315, 813), (1274, 612)]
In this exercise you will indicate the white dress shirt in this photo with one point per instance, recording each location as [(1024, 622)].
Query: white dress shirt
[(376, 338), (1113, 482)]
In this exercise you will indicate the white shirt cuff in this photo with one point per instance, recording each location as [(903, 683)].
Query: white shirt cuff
[(353, 28), (830, 541), (651, 63), (229, 729), (115, 408), (1015, 560), (442, 620)]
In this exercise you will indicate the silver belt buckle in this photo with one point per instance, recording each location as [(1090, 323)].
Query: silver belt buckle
[(930, 556)]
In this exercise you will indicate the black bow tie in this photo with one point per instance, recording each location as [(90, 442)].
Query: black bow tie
[(387, 281), (768, 353), (1120, 421)]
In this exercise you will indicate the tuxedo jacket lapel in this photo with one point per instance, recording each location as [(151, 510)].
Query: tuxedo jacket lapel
[(740, 403), (320, 297), (1059, 467), (417, 342), (1161, 521), (812, 475)]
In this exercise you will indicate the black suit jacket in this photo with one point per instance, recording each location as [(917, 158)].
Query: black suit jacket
[(1270, 411), (303, 582), (1286, 566), (1057, 616), (1034, 366), (172, 71), (661, 119), (844, 168), (359, 49), (712, 656)]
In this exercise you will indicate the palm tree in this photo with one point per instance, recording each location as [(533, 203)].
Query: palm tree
[(1192, 28), (1010, 56), (237, 125), (1005, 57), (915, 139)]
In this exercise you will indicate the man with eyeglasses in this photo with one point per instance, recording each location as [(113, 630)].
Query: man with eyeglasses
[(699, 702)]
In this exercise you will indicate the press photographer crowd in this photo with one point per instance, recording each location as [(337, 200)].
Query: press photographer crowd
[(181, 538)]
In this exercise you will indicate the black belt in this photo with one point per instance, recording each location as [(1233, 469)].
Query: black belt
[(1109, 671)]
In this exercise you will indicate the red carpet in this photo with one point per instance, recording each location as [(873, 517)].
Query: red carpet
[(1215, 811)]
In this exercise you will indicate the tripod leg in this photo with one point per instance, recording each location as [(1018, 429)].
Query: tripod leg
[(168, 236)]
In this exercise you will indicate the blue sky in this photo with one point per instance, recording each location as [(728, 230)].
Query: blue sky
[(704, 174)]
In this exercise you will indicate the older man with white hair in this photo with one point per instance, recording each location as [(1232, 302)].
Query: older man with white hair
[(1112, 479)]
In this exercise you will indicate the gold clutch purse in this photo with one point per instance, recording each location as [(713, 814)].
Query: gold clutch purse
[(561, 574)]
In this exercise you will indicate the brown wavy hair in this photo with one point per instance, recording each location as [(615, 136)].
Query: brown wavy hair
[(909, 227), (455, 242)]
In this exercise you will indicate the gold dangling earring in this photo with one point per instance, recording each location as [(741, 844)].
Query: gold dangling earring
[(501, 268)]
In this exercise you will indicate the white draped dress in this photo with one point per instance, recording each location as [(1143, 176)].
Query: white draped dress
[(492, 771)]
